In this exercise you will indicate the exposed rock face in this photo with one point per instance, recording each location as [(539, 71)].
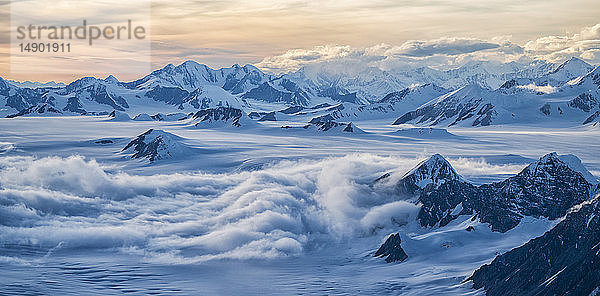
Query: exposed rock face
[(155, 145), (326, 123), (74, 105), (220, 115), (466, 104), (391, 250), (279, 90), (268, 117), (37, 109), (119, 116), (432, 172), (564, 261), (547, 188)]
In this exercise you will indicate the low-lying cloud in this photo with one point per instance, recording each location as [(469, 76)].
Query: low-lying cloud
[(277, 211)]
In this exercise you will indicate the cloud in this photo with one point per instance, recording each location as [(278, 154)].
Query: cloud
[(442, 53), (547, 89), (294, 59), (274, 212), (584, 44), (414, 53), (444, 46), (277, 211)]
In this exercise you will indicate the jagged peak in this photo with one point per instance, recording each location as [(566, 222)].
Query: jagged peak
[(250, 68), (569, 161), (111, 79), (572, 62), (83, 81), (399, 95), (471, 88), (156, 144), (191, 63), (436, 169)]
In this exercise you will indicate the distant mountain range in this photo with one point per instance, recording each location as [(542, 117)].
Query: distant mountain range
[(476, 94)]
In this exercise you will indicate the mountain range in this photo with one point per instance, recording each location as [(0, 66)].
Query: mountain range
[(562, 261), (476, 94)]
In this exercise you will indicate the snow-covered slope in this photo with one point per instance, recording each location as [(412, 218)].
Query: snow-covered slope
[(573, 103), (429, 173), (156, 145), (546, 188), (569, 70), (119, 116), (220, 117), (469, 105), (563, 261)]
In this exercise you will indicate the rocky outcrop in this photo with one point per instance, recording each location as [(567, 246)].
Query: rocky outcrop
[(156, 145), (564, 261), (547, 188), (392, 250)]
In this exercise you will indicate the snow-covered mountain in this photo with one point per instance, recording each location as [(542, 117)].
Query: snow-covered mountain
[(429, 173), (279, 90), (156, 145), (475, 94), (546, 188), (220, 117), (191, 75), (33, 84), (575, 102), (563, 261), (391, 105)]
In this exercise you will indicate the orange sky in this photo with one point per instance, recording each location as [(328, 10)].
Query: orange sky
[(220, 33)]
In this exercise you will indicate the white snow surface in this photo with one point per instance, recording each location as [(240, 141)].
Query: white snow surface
[(247, 211)]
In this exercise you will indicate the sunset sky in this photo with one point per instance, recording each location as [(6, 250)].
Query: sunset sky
[(280, 36)]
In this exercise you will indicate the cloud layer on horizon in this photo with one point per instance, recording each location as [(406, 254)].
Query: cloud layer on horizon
[(443, 53)]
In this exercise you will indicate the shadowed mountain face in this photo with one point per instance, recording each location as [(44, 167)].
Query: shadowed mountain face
[(391, 250), (564, 261), (155, 145), (547, 188), (220, 116)]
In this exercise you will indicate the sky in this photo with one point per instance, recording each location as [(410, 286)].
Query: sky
[(280, 36)]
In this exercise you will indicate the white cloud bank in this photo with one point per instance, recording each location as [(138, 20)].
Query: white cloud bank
[(278, 211), (444, 52), (180, 218)]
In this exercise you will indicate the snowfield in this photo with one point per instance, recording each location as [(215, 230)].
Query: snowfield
[(254, 210), (232, 181)]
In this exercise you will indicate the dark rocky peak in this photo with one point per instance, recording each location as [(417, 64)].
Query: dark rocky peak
[(155, 145), (563, 261), (547, 188), (392, 250), (554, 168), (431, 172), (218, 116)]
